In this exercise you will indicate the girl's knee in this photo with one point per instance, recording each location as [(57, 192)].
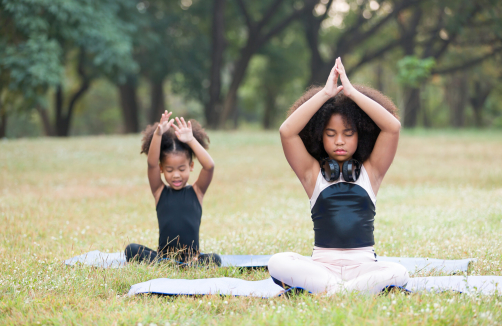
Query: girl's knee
[(399, 273), (279, 262)]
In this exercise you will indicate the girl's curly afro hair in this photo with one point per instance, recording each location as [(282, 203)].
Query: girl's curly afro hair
[(353, 115), (170, 142)]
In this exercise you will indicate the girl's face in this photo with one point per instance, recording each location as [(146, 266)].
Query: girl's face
[(176, 168), (340, 140)]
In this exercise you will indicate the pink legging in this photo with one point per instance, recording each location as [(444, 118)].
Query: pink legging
[(337, 270)]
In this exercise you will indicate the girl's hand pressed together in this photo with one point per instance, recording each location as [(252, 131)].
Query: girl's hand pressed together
[(331, 88), (164, 123), (348, 89), (183, 131)]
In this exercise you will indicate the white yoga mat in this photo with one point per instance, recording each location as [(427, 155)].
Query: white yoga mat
[(267, 288), (115, 260)]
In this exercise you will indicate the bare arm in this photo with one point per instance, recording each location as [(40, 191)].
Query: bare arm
[(303, 164), (154, 178), (184, 134), (386, 145)]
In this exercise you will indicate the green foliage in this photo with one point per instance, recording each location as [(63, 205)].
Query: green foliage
[(172, 41), (39, 35), (413, 71)]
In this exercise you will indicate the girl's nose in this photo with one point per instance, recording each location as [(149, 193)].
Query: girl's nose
[(339, 140)]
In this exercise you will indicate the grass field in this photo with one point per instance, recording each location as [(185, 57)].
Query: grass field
[(442, 198)]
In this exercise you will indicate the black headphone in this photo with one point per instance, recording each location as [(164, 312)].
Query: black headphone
[(331, 170)]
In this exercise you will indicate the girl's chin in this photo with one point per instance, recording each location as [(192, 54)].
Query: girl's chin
[(341, 158)]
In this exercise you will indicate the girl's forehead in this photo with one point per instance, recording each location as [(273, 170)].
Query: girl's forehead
[(337, 121), (176, 158)]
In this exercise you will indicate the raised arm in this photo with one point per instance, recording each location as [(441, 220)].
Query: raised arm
[(303, 164), (154, 179), (185, 135), (386, 145)]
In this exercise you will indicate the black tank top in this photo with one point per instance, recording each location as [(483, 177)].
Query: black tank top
[(179, 214), (343, 217)]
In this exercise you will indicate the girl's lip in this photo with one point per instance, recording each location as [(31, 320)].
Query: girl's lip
[(340, 151)]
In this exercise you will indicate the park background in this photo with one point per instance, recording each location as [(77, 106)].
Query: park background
[(103, 70), (107, 67)]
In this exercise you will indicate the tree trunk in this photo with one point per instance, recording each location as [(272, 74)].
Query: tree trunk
[(129, 105), (379, 83), (63, 120), (411, 106), (213, 107), (457, 96), (157, 101), (59, 120), (481, 93), (256, 38), (312, 25), (237, 78), (46, 122), (3, 121), (426, 119), (270, 108)]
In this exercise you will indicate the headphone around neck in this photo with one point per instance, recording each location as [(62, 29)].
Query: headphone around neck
[(330, 170)]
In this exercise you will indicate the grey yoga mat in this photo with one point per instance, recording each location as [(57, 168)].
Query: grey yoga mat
[(267, 288), (115, 260)]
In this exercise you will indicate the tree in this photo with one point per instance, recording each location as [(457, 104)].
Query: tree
[(84, 35), (169, 43), (445, 34), (262, 22), (356, 28)]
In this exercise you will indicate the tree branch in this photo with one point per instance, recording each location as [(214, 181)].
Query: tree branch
[(281, 25), (269, 14), (249, 22), (83, 87), (374, 55), (356, 37), (328, 5), (429, 45), (467, 64)]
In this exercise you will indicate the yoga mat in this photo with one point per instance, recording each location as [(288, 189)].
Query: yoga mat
[(223, 285), (97, 258), (413, 265), (267, 288), (465, 284)]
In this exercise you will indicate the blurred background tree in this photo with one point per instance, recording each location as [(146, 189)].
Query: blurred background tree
[(71, 67), (46, 40)]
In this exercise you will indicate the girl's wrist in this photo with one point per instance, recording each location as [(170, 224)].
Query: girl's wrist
[(326, 93), (351, 93)]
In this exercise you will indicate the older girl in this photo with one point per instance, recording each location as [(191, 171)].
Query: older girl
[(340, 145)]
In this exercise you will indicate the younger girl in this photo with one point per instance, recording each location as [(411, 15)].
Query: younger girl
[(326, 137), (179, 206)]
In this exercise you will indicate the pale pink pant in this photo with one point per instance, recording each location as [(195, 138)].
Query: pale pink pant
[(337, 270)]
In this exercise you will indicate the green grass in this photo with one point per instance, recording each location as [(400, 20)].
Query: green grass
[(442, 198)]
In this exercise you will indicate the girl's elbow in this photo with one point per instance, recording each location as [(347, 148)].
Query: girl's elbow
[(209, 166), (284, 131), (397, 127), (394, 128)]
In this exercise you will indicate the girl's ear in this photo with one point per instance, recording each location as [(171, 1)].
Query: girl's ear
[(160, 167), (192, 165)]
